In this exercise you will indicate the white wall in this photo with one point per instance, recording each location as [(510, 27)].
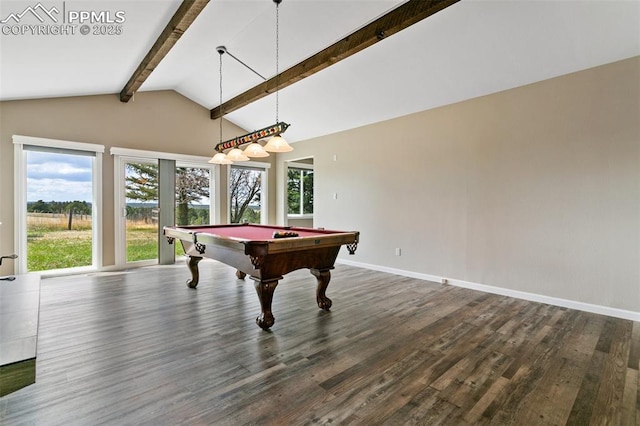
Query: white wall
[(532, 190)]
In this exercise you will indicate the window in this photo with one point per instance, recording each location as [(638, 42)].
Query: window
[(300, 190), (247, 193), (58, 195)]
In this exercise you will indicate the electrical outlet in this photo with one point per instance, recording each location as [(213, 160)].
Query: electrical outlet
[(444, 281), (335, 195), (398, 252)]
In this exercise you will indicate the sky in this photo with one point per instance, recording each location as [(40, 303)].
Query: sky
[(58, 177), (62, 177)]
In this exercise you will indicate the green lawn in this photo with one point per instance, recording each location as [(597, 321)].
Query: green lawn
[(58, 249), (49, 247), (142, 243)]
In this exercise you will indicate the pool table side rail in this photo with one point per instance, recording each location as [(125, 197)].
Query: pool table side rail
[(281, 245), (268, 246), (211, 228), (184, 234)]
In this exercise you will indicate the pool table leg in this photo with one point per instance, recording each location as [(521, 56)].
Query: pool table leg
[(265, 293), (323, 276), (192, 263)]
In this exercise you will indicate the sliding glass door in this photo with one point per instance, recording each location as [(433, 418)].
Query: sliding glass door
[(138, 235), (141, 210)]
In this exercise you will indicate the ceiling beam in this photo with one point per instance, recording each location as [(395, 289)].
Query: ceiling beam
[(181, 20), (396, 20)]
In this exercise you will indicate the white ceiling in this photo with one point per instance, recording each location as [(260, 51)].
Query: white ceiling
[(473, 48)]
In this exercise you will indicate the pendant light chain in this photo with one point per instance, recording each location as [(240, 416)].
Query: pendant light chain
[(277, 57), (221, 114), (276, 143)]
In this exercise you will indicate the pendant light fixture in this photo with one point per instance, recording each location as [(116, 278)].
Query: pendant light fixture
[(236, 154), (253, 148), (256, 150), (277, 143), (220, 157)]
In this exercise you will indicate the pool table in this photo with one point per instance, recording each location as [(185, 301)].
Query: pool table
[(265, 253)]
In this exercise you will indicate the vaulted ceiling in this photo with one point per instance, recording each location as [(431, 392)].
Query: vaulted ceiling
[(471, 48)]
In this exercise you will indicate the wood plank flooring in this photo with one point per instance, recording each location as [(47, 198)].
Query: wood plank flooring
[(139, 347), (19, 313)]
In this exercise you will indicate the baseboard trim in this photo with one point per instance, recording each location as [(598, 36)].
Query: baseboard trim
[(533, 297)]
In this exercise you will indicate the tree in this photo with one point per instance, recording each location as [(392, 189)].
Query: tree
[(142, 182), (244, 189), (307, 207), (192, 184), (300, 190), (39, 207), (293, 191)]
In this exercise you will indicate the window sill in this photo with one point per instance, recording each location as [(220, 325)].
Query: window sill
[(300, 216)]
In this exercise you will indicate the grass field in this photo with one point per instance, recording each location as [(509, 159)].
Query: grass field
[(51, 246)]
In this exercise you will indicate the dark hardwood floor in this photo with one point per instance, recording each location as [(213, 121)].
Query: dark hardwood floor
[(139, 347)]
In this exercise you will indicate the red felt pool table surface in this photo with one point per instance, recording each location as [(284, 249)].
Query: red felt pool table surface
[(257, 232)]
